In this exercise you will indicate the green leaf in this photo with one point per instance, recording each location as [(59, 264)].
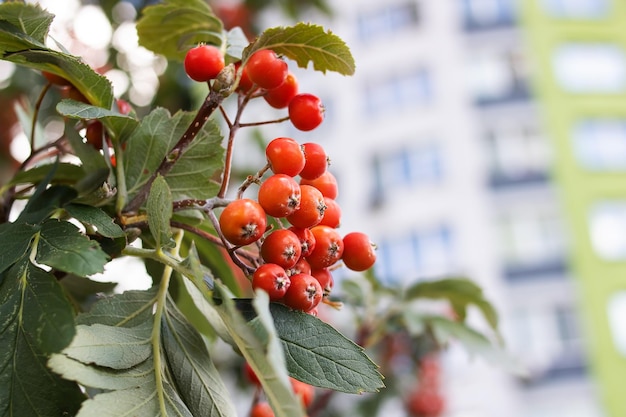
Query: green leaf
[(236, 42), (160, 212), (306, 43), (42, 204), (110, 346), (319, 355), (15, 239), (31, 19), (460, 292), (65, 174), (35, 320), (192, 370), (89, 156), (96, 217), (129, 309), (62, 246), (83, 290), (119, 126), (193, 174), (259, 345), (173, 26)]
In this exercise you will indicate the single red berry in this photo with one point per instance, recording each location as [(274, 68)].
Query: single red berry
[(123, 106), (311, 210), (279, 195), (73, 93), (332, 215), (301, 267), (325, 278), (303, 390), (306, 111), (94, 133), (304, 293), (307, 240), (326, 183), (204, 62), (425, 403), (281, 247), (281, 96), (243, 221), (266, 69), (358, 251), (262, 409), (316, 161), (245, 85), (272, 279), (328, 247), (250, 374), (55, 79), (285, 156)]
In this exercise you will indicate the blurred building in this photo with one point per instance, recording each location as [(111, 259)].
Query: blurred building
[(445, 156)]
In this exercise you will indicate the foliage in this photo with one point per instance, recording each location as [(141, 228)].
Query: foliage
[(160, 179)]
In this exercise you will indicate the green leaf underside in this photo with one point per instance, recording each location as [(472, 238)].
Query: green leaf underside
[(192, 175), (162, 27), (62, 246), (195, 376), (257, 345), (160, 211), (65, 173), (119, 125), (96, 217), (129, 309), (35, 320), (316, 353), (306, 43)]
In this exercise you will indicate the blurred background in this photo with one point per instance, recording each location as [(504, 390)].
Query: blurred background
[(478, 138)]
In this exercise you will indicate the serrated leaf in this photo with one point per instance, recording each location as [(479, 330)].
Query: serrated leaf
[(258, 343), (306, 43), (460, 292), (31, 19), (319, 355), (192, 370), (119, 126), (96, 217), (15, 239), (35, 320), (140, 401), (65, 174), (128, 309), (45, 201), (110, 346), (192, 175), (160, 211), (90, 157), (83, 290), (173, 26), (62, 246)]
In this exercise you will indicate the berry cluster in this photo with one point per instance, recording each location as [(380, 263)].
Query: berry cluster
[(297, 256), (261, 408), (425, 400), (265, 75)]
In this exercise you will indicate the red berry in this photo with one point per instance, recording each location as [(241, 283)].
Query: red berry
[(281, 247), (325, 278), (304, 293), (301, 267), (285, 156), (332, 215), (55, 79), (266, 69), (245, 84), (204, 62), (123, 106), (306, 111), (425, 403), (358, 251), (250, 374), (326, 183), (316, 161), (328, 247), (303, 390), (281, 96), (272, 279), (243, 221), (261, 409), (307, 240), (94, 133), (279, 195), (311, 210)]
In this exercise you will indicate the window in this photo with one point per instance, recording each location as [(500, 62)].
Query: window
[(519, 153), (417, 254), (406, 167), (479, 14), (594, 68), (600, 144), (533, 235), (384, 96), (616, 309), (387, 20), (496, 76), (607, 223), (576, 9)]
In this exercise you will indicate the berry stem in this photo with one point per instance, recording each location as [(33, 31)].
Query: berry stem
[(267, 122), (252, 179)]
